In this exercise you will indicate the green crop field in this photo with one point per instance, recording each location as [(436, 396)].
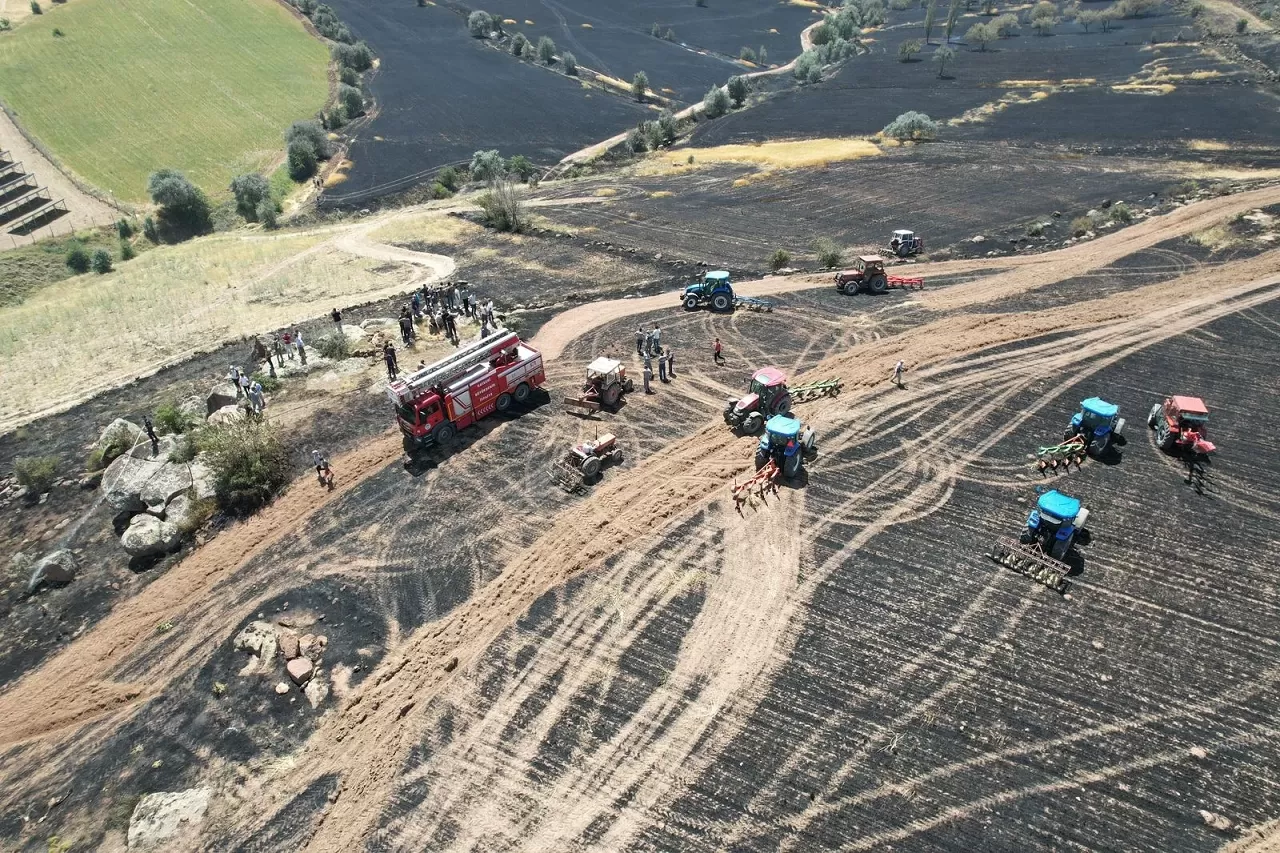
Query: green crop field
[(131, 86)]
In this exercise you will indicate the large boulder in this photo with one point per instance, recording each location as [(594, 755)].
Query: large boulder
[(202, 480), (58, 567), (226, 414), (147, 535), (118, 437), (124, 480), (169, 480), (158, 818), (220, 396), (166, 445), (180, 512), (195, 408), (354, 334)]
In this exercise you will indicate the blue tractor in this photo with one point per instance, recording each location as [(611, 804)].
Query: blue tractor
[(1050, 532), (786, 444), (1098, 423), (714, 290)]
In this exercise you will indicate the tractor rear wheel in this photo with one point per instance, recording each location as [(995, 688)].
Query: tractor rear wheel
[(590, 466), (504, 402), (721, 302), (690, 303), (1155, 413), (611, 394), (878, 284), (522, 392), (791, 466), (1168, 440)]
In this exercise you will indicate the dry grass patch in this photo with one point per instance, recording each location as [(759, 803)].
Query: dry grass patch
[(661, 194), (794, 154), (1145, 88), (429, 226), (1207, 145), (605, 192)]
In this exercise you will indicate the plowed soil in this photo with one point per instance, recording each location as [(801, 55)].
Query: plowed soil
[(643, 668)]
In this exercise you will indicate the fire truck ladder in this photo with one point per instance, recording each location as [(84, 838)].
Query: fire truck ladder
[(448, 369)]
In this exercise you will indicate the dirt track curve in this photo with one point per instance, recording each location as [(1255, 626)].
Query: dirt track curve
[(367, 741)]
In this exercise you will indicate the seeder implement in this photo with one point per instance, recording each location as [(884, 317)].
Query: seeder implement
[(814, 390), (757, 485), (1071, 450), (1032, 561)]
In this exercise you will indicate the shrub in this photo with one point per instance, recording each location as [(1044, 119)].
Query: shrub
[(249, 189), (1006, 25), (908, 49), (334, 347), (1080, 226), (747, 55), (653, 135), (35, 8), (249, 463), (302, 161), (184, 210), (35, 472), (335, 118), (669, 126), (779, 259), (5, 25), (351, 100), (569, 62), (266, 212), (127, 252), (912, 125), (348, 76), (95, 460), (982, 34), (311, 133), (450, 178), (669, 35), (716, 102), (701, 4), (829, 254), (1242, 26), (656, 31), (739, 87), (639, 85), (123, 229), (184, 450), (101, 261), (806, 63), (78, 259), (636, 141), (762, 55), (520, 166), (520, 45), (357, 57), (171, 419), (901, 5), (942, 57), (503, 210), (58, 33), (546, 50), (487, 165), (1035, 229), (149, 230), (1121, 213), (480, 24)]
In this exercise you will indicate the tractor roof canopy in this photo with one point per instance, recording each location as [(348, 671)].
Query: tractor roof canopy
[(783, 426), (602, 367), (871, 259), (903, 232), (716, 276), (1099, 407), (1058, 505), (768, 377), (1190, 405)]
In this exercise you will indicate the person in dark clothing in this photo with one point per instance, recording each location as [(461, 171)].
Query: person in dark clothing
[(466, 305), (337, 318), (151, 434), (389, 356), (406, 329)]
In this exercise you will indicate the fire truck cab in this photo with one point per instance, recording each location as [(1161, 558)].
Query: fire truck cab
[(487, 376)]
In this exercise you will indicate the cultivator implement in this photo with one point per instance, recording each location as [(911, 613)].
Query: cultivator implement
[(1055, 455), (751, 303), (566, 475), (814, 390), (902, 282), (1031, 561), (757, 485)]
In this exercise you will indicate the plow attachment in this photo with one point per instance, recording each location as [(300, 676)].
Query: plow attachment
[(588, 405), (1029, 560), (566, 475), (1071, 450), (814, 390), (752, 303), (757, 485)]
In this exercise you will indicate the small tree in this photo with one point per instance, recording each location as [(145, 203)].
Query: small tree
[(149, 230), (183, 207), (1242, 26), (1043, 17), (762, 55), (78, 259), (502, 207), (449, 178), (1107, 18), (656, 31), (1087, 18), (569, 62), (779, 259), (908, 49), (520, 166), (739, 87), (747, 55), (953, 14), (35, 8), (124, 230), (829, 254), (546, 50), (635, 141), (669, 126), (351, 100), (912, 125), (312, 134), (249, 189), (127, 252), (669, 35), (930, 17), (653, 136), (716, 102), (487, 166), (348, 76), (357, 57), (942, 57), (302, 161), (1006, 25), (639, 85), (480, 24), (519, 45), (982, 34), (266, 212), (101, 261)]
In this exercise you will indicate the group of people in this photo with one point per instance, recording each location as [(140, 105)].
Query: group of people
[(249, 388), (649, 347)]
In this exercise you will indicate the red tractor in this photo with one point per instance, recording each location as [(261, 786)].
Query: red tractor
[(767, 395), (868, 276), (1182, 426)]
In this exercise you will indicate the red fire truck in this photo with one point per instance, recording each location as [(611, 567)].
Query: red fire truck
[(433, 403)]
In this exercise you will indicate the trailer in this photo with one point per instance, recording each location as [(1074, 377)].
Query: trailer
[(487, 376)]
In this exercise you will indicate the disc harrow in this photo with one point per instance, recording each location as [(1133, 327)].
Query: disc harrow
[(1031, 561), (1062, 455), (814, 390), (756, 486)]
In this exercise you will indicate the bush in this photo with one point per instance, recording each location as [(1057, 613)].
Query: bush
[(311, 133), (912, 125), (5, 25), (95, 460), (503, 210), (669, 126), (351, 100), (569, 62), (779, 259), (35, 8), (829, 254), (982, 34), (546, 50), (101, 261), (520, 45), (1006, 25), (184, 210), (334, 347), (520, 166), (639, 85), (127, 252), (184, 450), (450, 178), (655, 31), (302, 161), (1242, 26), (357, 57), (1044, 24), (738, 88), (487, 165), (1121, 213), (762, 56), (901, 5), (266, 212), (942, 57), (653, 135), (249, 189), (807, 66), (480, 24), (635, 141), (716, 102), (171, 419), (36, 472), (908, 49), (348, 76), (1080, 226), (1035, 229), (149, 230), (123, 229), (78, 259), (747, 55), (249, 462), (701, 4), (669, 35)]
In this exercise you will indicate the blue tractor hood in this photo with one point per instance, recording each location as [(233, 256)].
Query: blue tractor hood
[(783, 426), (1099, 407), (1056, 504)]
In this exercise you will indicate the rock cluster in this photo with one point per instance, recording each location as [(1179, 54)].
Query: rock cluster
[(270, 644)]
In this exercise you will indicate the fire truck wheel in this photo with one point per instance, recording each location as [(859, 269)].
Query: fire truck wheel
[(504, 402), (410, 445), (522, 392), (445, 434)]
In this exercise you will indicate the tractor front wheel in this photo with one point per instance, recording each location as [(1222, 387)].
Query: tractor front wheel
[(753, 424), (762, 459), (1155, 413), (690, 303)]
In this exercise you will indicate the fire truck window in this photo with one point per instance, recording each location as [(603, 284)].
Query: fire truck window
[(409, 414)]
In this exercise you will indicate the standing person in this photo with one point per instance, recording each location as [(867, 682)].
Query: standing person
[(450, 293), (648, 362), (324, 473), (151, 434), (466, 305), (641, 338), (648, 376), (897, 373), (718, 354), (261, 354), (277, 348), (405, 326), (452, 326), (656, 336), (485, 331), (488, 312), (662, 366), (244, 383), (256, 398), (337, 318), (416, 305), (389, 356), (302, 349), (235, 378), (671, 362), (287, 338)]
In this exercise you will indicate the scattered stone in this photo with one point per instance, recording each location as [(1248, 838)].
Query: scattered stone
[(451, 664), (1097, 644), (123, 481), (978, 239), (219, 397), (58, 567), (300, 670), (313, 646), (257, 638), (90, 480), (1217, 821), (316, 691), (118, 433), (226, 414), (282, 688), (149, 535), (1198, 752), (159, 817), (289, 645)]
